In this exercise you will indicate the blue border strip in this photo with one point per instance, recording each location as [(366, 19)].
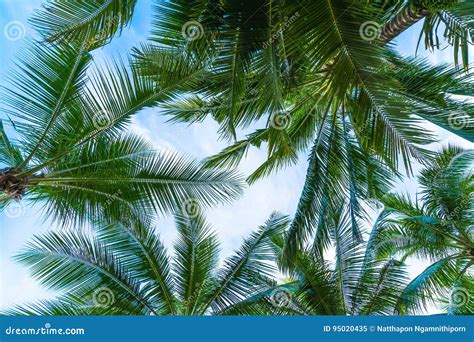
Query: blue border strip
[(241, 329)]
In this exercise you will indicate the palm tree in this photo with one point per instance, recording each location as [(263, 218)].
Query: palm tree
[(310, 68), (68, 152), (319, 74), (119, 270), (355, 283), (300, 67), (438, 228)]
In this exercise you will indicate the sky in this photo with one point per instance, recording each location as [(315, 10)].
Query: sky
[(278, 192)]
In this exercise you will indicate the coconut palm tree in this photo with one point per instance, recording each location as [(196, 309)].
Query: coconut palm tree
[(67, 151), (354, 282), (303, 66), (242, 36), (319, 75), (438, 228), (119, 270), (299, 67), (304, 56), (371, 278), (102, 19)]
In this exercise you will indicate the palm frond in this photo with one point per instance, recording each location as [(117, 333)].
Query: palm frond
[(435, 281), (72, 21), (10, 153), (195, 262), (126, 177), (458, 22), (45, 82), (243, 274), (145, 257), (431, 89), (77, 263)]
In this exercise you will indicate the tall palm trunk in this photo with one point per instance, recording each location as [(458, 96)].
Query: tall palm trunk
[(401, 22)]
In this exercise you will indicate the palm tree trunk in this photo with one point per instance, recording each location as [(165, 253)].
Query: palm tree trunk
[(401, 22), (11, 185)]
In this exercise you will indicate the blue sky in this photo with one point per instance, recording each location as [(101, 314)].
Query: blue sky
[(278, 192)]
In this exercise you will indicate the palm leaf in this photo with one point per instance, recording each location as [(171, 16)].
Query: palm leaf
[(196, 259), (81, 265), (144, 255), (74, 20), (243, 274)]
